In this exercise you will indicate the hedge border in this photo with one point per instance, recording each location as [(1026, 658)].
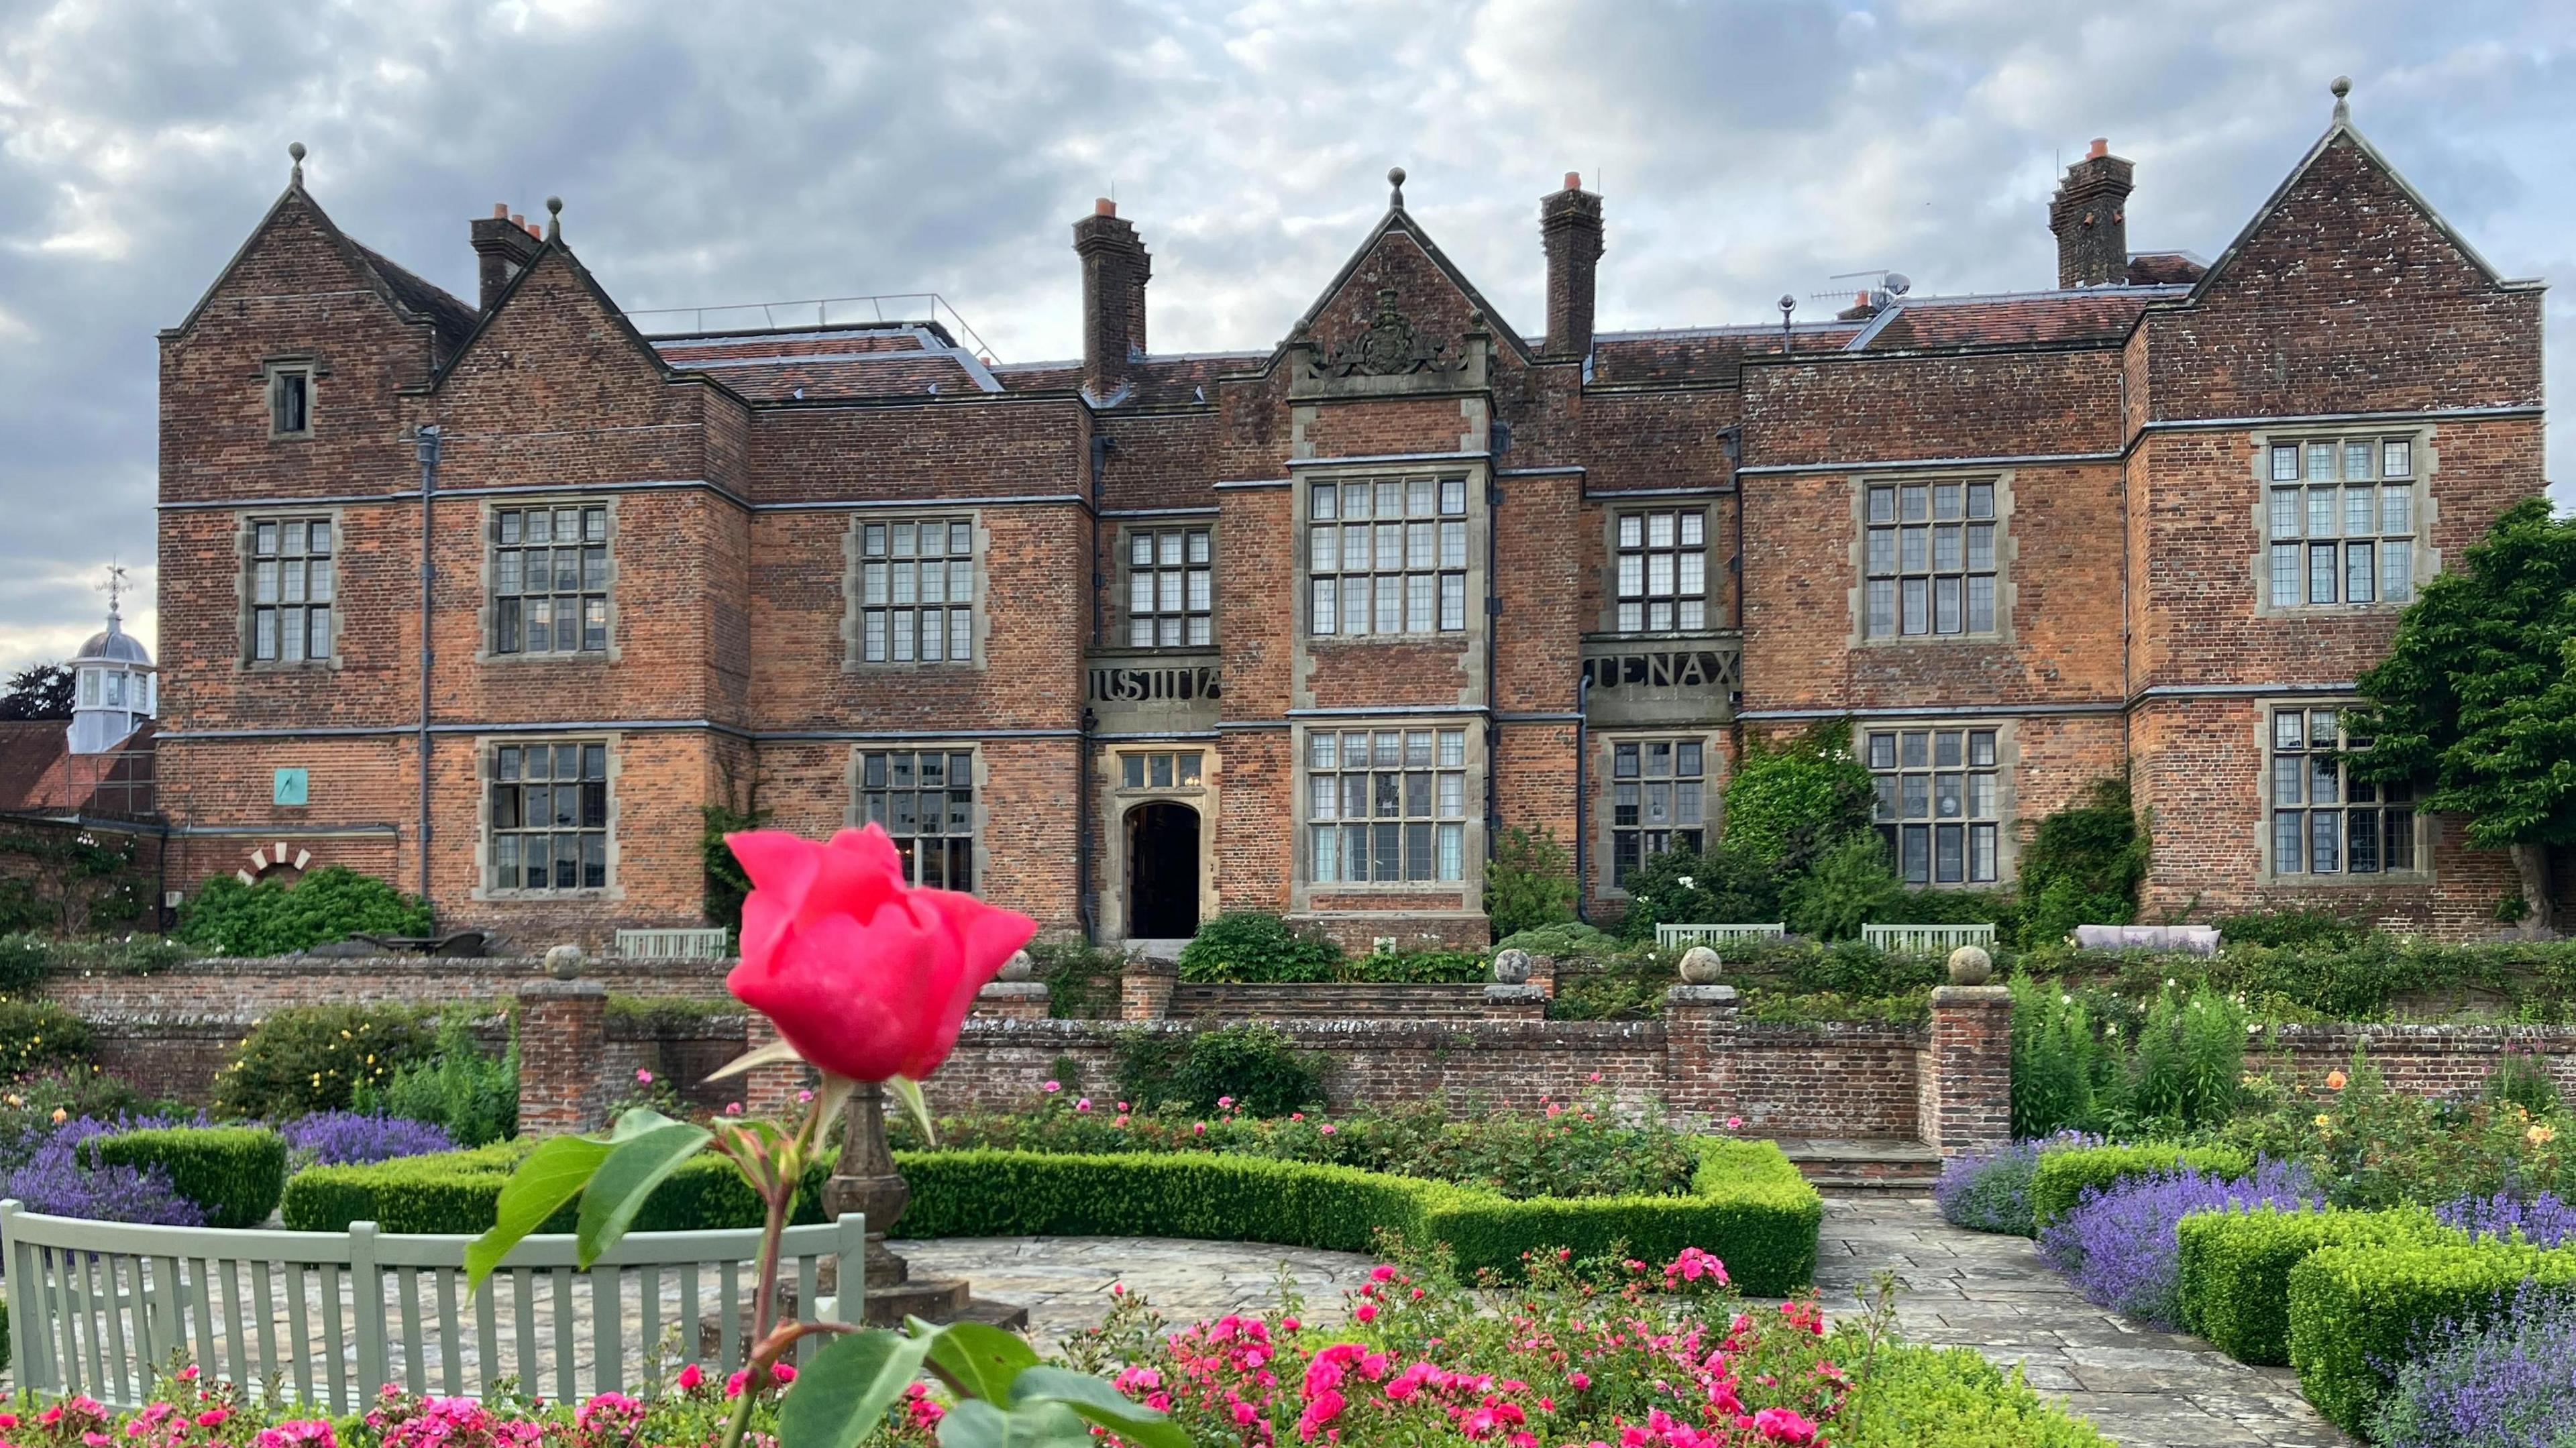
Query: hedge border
[(2236, 1267), (459, 1192), (235, 1174), (2063, 1176), (2355, 1308), (1748, 1204)]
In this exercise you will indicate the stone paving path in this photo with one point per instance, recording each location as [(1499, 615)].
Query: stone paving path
[(2143, 1388)]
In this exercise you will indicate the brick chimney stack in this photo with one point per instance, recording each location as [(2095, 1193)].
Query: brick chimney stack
[(2090, 215), (1115, 267), (1569, 226), (503, 247)]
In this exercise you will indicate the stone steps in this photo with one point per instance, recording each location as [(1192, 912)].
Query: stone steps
[(1839, 1167)]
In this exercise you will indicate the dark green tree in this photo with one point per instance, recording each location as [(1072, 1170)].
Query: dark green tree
[(39, 691), (2476, 701), (1529, 882)]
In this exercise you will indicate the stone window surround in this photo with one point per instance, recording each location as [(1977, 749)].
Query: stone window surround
[(1124, 569), (485, 748), (979, 822), (1478, 518), (245, 542), (2007, 550), (2007, 784), (1716, 768), (2426, 461), (1607, 621), (270, 369), (853, 613), (1472, 852), (1207, 797), (2265, 875), (487, 611)]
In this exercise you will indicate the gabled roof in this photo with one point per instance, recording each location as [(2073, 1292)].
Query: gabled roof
[(411, 297), (553, 245), (2342, 130), (1399, 219)]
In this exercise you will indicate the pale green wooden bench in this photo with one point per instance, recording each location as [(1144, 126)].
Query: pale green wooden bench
[(1668, 936), (100, 1307), (1927, 939)]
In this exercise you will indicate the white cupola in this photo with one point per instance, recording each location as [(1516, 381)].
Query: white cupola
[(112, 688)]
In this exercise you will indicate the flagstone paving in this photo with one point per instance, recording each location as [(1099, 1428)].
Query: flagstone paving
[(2143, 1388)]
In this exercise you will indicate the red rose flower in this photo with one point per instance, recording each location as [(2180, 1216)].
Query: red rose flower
[(866, 977)]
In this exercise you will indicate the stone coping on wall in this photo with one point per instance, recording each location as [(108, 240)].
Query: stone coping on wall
[(1426, 1034)]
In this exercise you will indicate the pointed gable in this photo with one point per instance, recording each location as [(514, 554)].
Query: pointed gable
[(2345, 200), (1431, 295), (297, 248)]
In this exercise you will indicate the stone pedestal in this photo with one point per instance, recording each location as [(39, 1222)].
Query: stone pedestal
[(1018, 1000), (869, 1182), (1145, 989), (1699, 1049), (1506, 1002)]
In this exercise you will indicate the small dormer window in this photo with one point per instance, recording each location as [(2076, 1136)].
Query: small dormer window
[(290, 401)]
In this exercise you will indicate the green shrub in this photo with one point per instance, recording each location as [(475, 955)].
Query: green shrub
[(40, 1036), (1529, 882), (1910, 1396), (2236, 1267), (1253, 946), (2355, 1311), (475, 1097), (2521, 1080), (2065, 1175), (227, 917), (1253, 1064), (1081, 978), (1685, 886), (234, 1173), (303, 1059), (1560, 941), (2300, 929), (457, 1192), (2189, 1064), (1847, 886), (1949, 907), (1789, 801), (2065, 1074), (24, 959), (2082, 866), (1748, 1205)]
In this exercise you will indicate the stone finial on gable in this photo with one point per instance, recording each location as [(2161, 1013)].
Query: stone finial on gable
[(295, 153), (2342, 88)]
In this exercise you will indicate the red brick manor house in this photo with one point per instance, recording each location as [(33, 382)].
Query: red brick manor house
[(1127, 641)]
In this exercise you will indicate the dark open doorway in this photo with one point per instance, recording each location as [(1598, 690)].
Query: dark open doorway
[(1162, 871)]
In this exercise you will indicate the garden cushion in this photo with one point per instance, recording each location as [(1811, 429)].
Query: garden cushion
[(1748, 1205)]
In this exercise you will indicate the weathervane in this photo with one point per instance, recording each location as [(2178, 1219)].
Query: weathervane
[(114, 587)]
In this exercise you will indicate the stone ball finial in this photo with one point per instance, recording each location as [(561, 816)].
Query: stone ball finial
[(563, 962), (295, 150), (2342, 86), (1701, 966), (1018, 968), (1395, 184), (1971, 965), (1512, 967)]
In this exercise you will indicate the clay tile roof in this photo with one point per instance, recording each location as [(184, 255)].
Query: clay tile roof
[(2165, 268), (1700, 354), (29, 750), (453, 319), (2090, 314)]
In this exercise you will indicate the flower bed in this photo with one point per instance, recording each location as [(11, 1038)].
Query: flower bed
[(1565, 1149), (1748, 1204)]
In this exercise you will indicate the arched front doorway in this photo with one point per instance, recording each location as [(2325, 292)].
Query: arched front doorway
[(1162, 871)]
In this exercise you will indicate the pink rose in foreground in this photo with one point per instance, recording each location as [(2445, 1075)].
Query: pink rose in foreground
[(866, 977)]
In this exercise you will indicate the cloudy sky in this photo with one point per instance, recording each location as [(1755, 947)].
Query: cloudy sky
[(718, 153)]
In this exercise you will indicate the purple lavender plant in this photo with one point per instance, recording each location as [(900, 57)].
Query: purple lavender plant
[(1990, 1191), (2119, 1246), (2543, 1221), (2508, 1381), (52, 1179), (349, 1138)]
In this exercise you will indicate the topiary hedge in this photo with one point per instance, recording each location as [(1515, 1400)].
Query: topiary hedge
[(457, 1191), (235, 1174), (2356, 1312), (2064, 1176), (1912, 1396), (2236, 1267), (1748, 1205)]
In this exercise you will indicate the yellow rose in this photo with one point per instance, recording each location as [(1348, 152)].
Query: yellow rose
[(2540, 1135), (2324, 1121)]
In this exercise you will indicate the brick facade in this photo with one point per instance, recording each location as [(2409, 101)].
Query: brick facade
[(764, 626)]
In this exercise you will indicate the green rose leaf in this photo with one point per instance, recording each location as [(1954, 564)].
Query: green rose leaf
[(646, 1147), (843, 1393), (974, 1423), (978, 1359), (551, 1176), (1098, 1402)]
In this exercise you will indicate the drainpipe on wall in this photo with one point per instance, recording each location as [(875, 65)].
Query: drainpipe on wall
[(1582, 792), (426, 442), (1084, 908)]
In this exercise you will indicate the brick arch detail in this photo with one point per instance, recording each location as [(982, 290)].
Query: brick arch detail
[(278, 856)]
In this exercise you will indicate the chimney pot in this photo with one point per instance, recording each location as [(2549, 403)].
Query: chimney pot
[(501, 210), (1104, 207), (1573, 180), (2101, 147), (503, 247), (518, 219)]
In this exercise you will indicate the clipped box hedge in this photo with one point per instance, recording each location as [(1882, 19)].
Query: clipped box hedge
[(2236, 1267), (1748, 1204), (458, 1192), (2064, 1176), (1916, 1396), (2355, 1309), (235, 1174)]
